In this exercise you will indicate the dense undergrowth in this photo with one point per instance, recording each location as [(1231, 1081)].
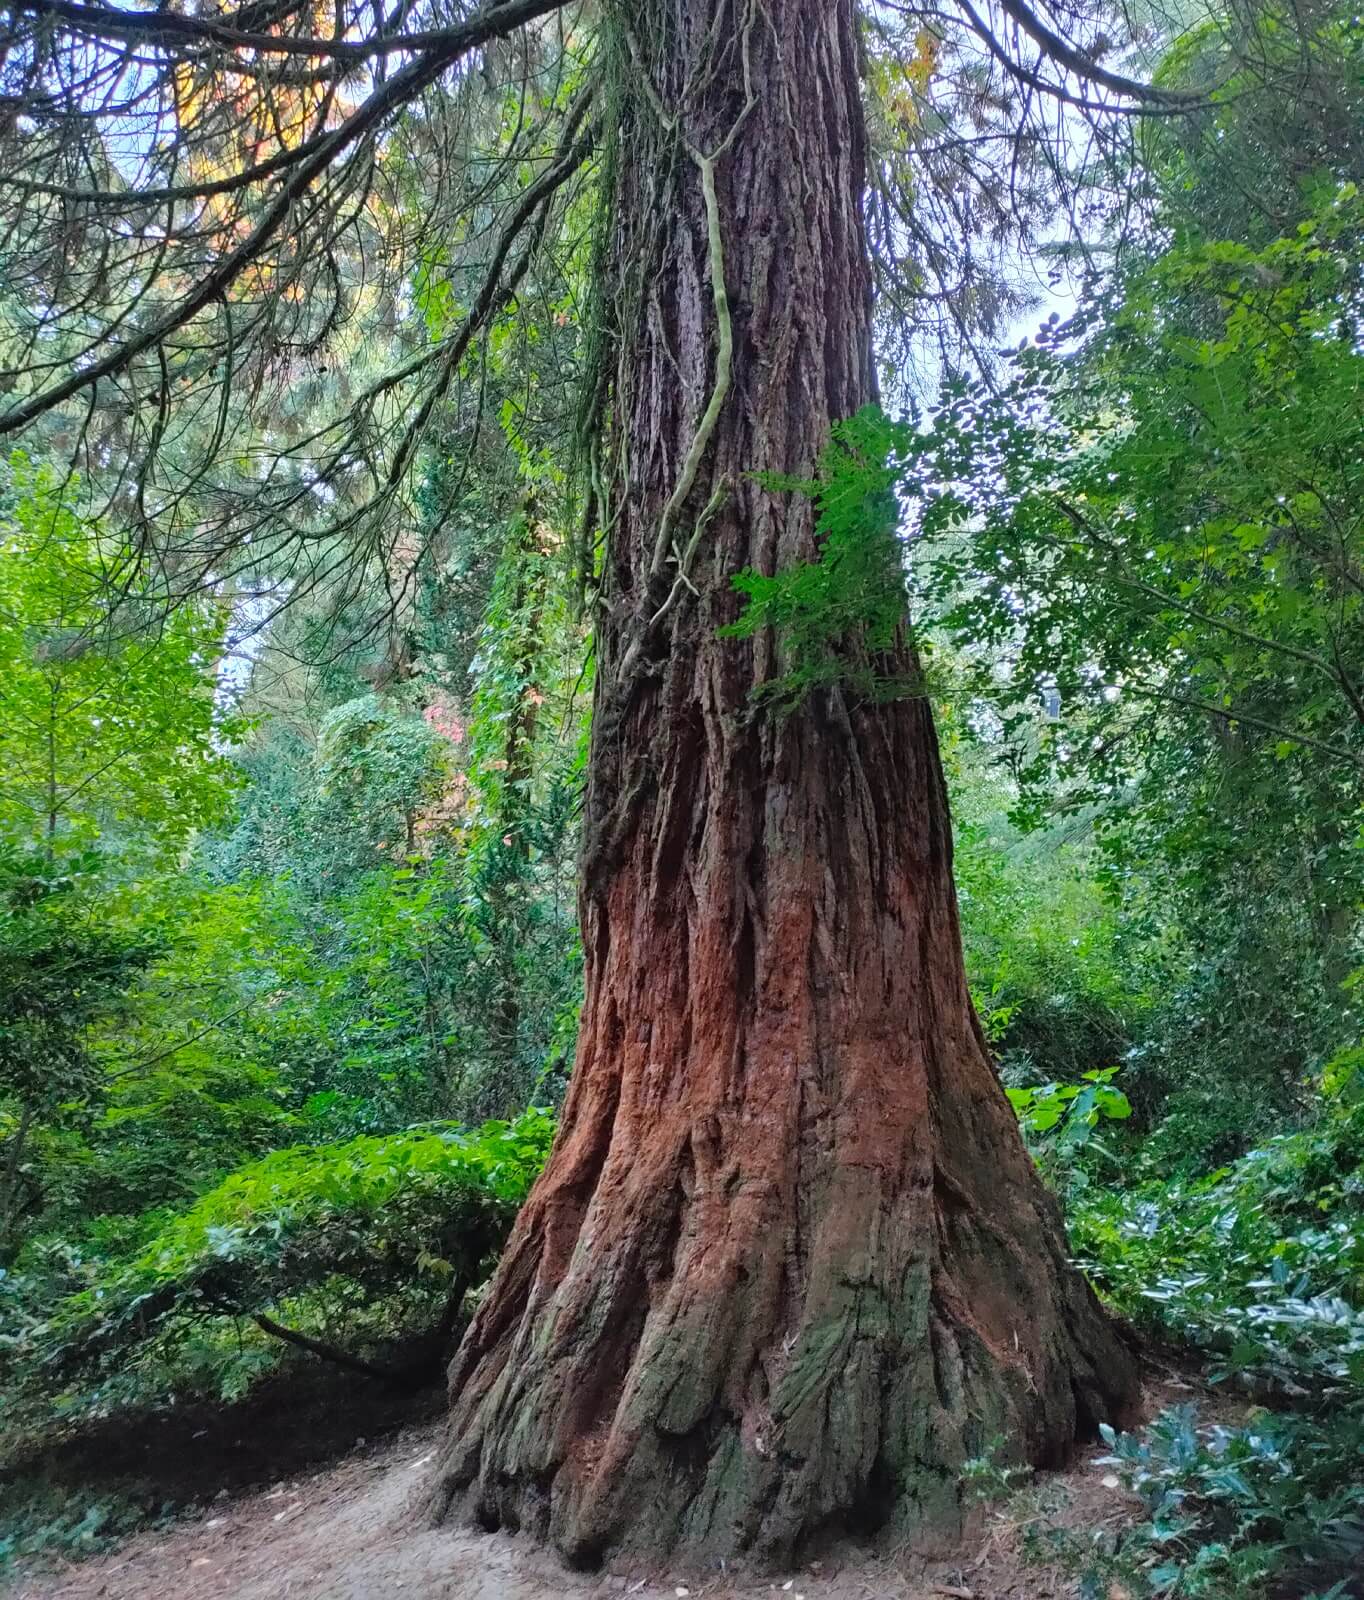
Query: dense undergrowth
[(1252, 1278), (319, 1234)]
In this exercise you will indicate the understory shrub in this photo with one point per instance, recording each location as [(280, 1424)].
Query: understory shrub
[(1260, 1264), (346, 1244), (1275, 1505), (1259, 1268)]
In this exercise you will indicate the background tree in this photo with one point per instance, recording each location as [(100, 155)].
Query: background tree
[(1160, 521), (109, 721), (109, 759)]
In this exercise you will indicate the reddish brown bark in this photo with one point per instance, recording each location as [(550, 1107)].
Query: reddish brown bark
[(789, 1265)]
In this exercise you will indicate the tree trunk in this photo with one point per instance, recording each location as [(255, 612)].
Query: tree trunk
[(789, 1265)]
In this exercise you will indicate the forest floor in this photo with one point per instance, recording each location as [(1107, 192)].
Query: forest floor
[(352, 1530)]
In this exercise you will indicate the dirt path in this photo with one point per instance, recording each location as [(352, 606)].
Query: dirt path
[(353, 1532)]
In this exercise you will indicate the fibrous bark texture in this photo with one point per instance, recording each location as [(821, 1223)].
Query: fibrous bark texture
[(789, 1265)]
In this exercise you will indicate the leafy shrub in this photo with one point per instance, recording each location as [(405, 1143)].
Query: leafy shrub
[(1250, 1008), (41, 1520), (1231, 1511), (1059, 1121), (364, 1230), (1260, 1263)]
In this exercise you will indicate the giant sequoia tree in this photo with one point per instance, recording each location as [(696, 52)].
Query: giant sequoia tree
[(789, 1265)]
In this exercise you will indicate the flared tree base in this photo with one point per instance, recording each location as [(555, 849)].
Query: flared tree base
[(705, 1364)]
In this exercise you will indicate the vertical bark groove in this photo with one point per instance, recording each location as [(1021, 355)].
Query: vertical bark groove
[(789, 1265)]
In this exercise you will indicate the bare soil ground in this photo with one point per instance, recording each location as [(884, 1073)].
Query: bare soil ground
[(353, 1530)]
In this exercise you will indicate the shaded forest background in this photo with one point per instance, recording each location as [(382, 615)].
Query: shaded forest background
[(289, 967)]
